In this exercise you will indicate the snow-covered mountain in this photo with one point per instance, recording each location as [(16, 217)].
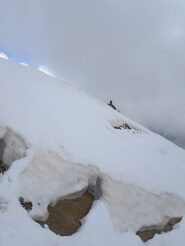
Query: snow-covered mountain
[(57, 141)]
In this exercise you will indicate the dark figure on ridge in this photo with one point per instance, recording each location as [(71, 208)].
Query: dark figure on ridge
[(112, 105)]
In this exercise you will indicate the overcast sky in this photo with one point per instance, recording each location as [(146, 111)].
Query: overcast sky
[(130, 51)]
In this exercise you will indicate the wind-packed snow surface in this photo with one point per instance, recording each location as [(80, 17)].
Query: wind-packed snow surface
[(57, 141)]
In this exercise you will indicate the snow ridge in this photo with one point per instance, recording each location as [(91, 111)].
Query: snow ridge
[(57, 141)]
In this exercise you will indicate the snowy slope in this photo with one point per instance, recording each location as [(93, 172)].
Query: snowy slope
[(63, 140)]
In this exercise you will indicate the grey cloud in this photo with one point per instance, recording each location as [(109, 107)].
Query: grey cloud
[(131, 51)]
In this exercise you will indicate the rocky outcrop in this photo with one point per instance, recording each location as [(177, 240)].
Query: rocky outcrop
[(149, 232), (124, 126), (2, 147), (3, 168), (64, 218)]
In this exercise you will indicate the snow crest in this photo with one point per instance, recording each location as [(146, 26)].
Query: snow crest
[(45, 177)]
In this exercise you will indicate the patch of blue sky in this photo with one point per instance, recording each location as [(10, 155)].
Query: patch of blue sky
[(18, 56)]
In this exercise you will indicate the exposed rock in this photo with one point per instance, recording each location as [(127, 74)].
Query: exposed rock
[(148, 233), (64, 218), (26, 205), (2, 148), (124, 126), (3, 168)]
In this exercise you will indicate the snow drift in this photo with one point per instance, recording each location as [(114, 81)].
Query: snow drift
[(57, 141)]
